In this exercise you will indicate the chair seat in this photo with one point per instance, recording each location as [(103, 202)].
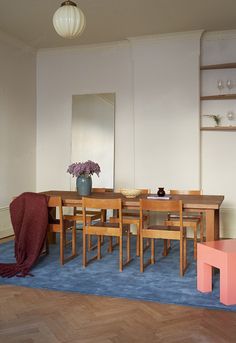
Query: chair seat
[(66, 223), (131, 218), (108, 224), (186, 222), (175, 216), (79, 217)]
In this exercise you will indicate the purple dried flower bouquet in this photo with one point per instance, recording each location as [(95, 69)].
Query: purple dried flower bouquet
[(84, 168)]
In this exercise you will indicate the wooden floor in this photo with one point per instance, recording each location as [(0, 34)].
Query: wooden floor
[(31, 315)]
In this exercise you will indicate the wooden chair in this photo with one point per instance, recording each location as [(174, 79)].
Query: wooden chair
[(61, 226), (165, 232), (132, 217), (193, 221), (91, 215), (103, 228)]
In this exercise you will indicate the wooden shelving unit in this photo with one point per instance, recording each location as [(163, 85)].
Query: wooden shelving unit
[(219, 97), (218, 128), (219, 66)]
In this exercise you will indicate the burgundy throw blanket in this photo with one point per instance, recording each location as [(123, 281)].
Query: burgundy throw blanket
[(29, 216)]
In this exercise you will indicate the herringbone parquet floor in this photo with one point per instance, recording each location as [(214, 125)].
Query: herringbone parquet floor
[(39, 316)]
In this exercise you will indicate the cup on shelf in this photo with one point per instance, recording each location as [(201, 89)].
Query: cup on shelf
[(229, 84), (220, 85), (230, 116)]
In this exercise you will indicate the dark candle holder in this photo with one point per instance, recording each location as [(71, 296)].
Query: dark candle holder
[(161, 192)]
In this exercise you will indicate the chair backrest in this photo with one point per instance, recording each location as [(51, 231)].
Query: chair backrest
[(102, 204), (78, 210), (186, 192), (145, 191), (55, 202), (162, 206), (102, 190)]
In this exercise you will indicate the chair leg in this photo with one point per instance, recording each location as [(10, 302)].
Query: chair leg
[(84, 249), (201, 231), (110, 247), (88, 221), (99, 247), (121, 254), (90, 243), (152, 251), (62, 242), (137, 241), (74, 240), (181, 259), (195, 242), (104, 216), (141, 254), (185, 249), (128, 246), (167, 247)]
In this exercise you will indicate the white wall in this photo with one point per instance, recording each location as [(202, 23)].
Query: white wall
[(166, 107), (17, 123), (218, 148), (62, 73), (156, 81)]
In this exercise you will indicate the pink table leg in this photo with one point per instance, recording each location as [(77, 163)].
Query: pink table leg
[(204, 276), (228, 282)]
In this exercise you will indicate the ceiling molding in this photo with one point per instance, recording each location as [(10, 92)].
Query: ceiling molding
[(164, 36), (87, 46), (219, 35)]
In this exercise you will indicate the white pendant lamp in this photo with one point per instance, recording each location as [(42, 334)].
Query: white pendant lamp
[(69, 20)]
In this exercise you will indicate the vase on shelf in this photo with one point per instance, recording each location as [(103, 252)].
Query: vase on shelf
[(84, 185), (161, 192)]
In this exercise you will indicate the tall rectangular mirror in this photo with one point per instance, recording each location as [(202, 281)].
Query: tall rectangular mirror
[(93, 121)]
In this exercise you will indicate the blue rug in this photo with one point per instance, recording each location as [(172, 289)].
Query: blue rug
[(160, 282)]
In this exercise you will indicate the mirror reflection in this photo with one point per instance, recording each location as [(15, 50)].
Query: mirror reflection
[(93, 118)]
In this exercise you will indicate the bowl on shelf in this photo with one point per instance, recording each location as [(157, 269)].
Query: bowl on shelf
[(130, 192)]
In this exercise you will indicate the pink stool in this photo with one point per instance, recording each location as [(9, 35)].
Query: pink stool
[(220, 254)]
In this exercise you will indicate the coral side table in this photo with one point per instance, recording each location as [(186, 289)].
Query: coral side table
[(220, 254)]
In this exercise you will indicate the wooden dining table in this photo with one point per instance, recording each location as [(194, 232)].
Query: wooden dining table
[(209, 204)]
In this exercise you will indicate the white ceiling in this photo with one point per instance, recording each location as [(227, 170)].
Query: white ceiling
[(113, 20)]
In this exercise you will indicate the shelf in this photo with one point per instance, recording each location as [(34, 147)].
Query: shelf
[(218, 128), (219, 66), (219, 97)]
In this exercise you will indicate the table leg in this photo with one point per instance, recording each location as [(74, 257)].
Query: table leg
[(204, 276), (52, 235), (228, 281), (212, 225)]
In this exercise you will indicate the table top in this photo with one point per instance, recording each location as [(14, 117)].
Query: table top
[(224, 245), (189, 201)]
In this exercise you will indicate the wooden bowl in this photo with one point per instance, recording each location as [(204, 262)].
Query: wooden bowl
[(130, 192)]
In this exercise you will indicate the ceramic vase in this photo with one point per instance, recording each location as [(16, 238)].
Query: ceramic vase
[(161, 192), (84, 185)]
